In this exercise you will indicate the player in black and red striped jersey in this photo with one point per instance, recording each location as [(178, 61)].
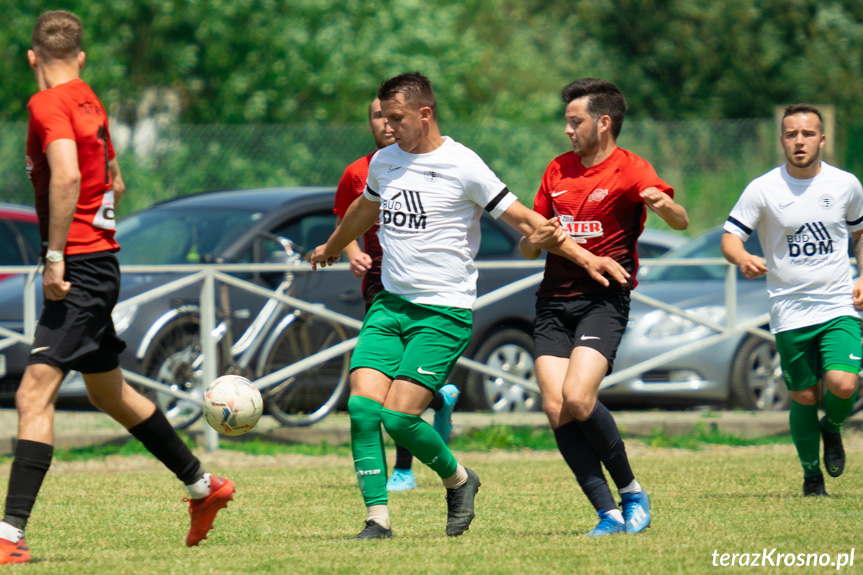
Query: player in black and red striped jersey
[(600, 195), (76, 179)]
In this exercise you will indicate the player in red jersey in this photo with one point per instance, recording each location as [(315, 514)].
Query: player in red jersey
[(367, 265), (77, 179), (600, 195)]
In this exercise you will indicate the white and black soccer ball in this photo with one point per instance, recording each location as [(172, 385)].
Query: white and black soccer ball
[(232, 405)]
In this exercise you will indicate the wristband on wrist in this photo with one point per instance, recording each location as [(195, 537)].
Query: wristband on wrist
[(53, 256)]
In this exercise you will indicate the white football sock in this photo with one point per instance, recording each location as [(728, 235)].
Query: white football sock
[(10, 532), (380, 514), (457, 479), (633, 487), (200, 488), (616, 514)]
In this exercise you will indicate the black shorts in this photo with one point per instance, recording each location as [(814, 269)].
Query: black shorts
[(595, 321), (77, 332)]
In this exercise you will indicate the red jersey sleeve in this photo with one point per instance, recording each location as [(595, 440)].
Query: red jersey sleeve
[(641, 176), (351, 185), (542, 202), (50, 118)]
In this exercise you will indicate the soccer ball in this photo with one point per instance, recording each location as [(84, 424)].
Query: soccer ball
[(232, 405)]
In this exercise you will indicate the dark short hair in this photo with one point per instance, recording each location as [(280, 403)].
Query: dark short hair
[(57, 34), (415, 88), (605, 99), (803, 109)]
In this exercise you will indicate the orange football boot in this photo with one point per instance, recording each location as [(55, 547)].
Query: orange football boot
[(203, 510), (14, 552)]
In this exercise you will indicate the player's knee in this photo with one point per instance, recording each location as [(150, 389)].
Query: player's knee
[(805, 396), (399, 426), (579, 406), (843, 385), (365, 413)]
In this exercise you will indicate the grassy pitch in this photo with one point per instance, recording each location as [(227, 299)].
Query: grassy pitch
[(294, 514)]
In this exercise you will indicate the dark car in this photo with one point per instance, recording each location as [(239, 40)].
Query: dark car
[(240, 227), (19, 236)]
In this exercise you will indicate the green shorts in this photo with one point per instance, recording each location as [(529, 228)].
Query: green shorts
[(414, 342), (808, 352)]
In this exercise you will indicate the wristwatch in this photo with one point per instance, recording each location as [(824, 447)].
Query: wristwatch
[(53, 256)]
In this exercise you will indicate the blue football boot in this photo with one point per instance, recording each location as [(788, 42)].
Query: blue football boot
[(636, 511), (607, 525)]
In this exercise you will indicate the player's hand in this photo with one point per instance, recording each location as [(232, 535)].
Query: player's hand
[(360, 265), (323, 257), (599, 267), (54, 287), (752, 267), (546, 236), (858, 293), (655, 199)]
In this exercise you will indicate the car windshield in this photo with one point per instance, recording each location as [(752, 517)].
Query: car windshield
[(180, 235), (706, 245)]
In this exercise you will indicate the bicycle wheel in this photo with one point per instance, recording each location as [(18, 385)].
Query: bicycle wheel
[(171, 360), (309, 396)]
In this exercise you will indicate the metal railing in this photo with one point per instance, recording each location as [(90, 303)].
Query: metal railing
[(208, 274)]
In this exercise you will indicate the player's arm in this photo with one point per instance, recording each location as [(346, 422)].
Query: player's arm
[(360, 261), (63, 190), (360, 216), (666, 208), (539, 233), (750, 265), (117, 183), (857, 244)]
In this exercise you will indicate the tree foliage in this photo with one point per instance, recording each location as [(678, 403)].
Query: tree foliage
[(253, 61)]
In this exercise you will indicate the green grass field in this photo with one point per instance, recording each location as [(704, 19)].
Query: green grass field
[(293, 513)]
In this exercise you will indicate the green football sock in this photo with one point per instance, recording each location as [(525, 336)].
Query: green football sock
[(806, 434), (367, 445), (836, 411), (421, 439)]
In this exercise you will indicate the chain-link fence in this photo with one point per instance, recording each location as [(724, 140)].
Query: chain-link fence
[(708, 162)]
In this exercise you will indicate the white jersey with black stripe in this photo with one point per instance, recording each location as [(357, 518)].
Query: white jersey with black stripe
[(429, 222), (804, 228)]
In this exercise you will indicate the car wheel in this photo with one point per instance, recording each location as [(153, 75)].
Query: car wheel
[(756, 377), (509, 350), (174, 361)]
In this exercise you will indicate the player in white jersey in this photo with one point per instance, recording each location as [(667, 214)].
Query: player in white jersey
[(804, 211), (428, 193)]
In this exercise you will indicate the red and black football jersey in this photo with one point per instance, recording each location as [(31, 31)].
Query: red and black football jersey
[(600, 208), (350, 187), (71, 111)]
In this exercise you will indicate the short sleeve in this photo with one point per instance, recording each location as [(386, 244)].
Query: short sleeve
[(484, 188), (745, 213), (641, 177), (542, 202), (854, 211), (50, 119)]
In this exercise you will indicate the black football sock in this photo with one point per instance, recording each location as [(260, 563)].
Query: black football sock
[(585, 464), (162, 440), (437, 401), (600, 430), (32, 460), (404, 458)]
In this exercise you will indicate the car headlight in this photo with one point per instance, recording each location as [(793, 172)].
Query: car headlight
[(123, 316), (667, 324)]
